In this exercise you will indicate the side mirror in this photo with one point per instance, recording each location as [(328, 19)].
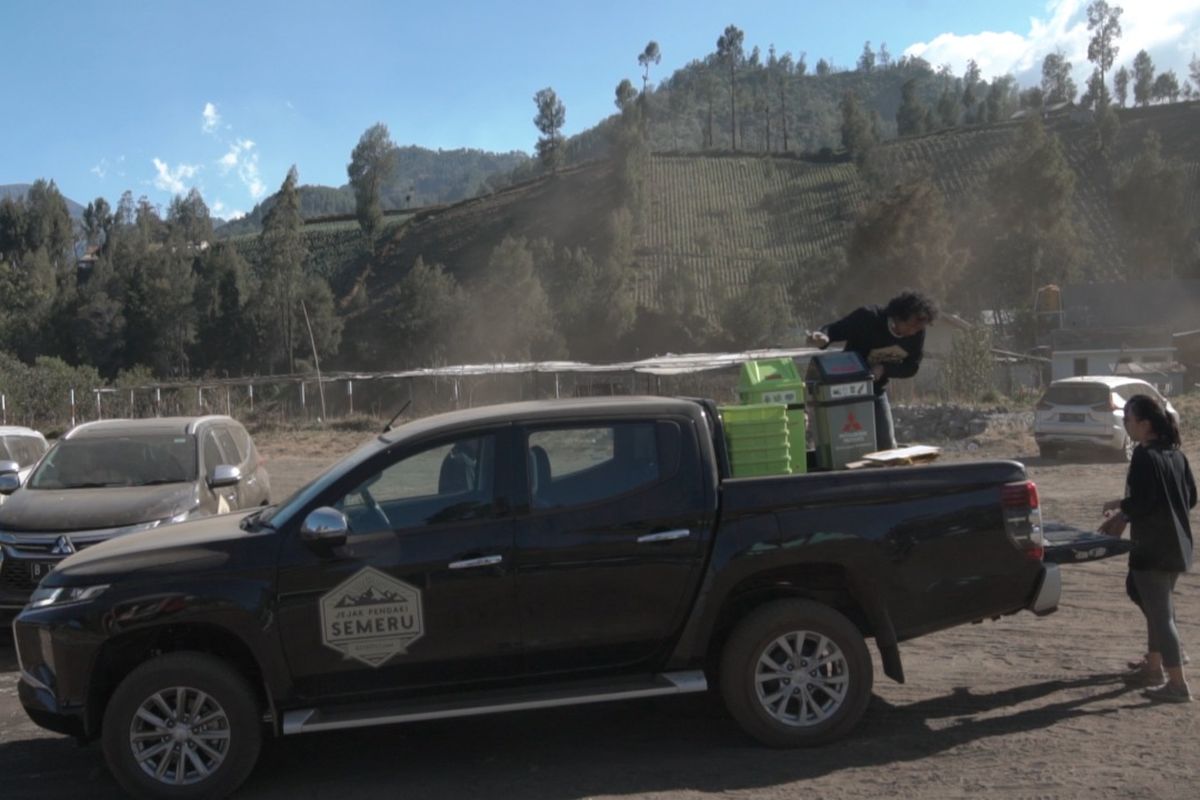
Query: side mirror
[(9, 482), (224, 475), (326, 526), (9, 466)]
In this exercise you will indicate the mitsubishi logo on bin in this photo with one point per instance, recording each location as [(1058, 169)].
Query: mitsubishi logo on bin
[(62, 547), (852, 423)]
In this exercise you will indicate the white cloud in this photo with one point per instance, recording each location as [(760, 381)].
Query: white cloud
[(243, 157), (101, 169), (211, 118), (172, 180), (1167, 29)]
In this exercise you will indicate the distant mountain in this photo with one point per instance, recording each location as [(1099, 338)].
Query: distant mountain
[(20, 190), (423, 178)]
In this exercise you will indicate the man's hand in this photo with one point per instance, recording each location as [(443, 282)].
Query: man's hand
[(1111, 505), (818, 339), (877, 372)]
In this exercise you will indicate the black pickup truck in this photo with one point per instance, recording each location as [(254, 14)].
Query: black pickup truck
[(515, 557)]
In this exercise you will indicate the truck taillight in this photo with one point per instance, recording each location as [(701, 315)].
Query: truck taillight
[(1023, 518)]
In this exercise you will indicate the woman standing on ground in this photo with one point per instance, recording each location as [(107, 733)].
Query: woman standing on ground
[(1159, 492)]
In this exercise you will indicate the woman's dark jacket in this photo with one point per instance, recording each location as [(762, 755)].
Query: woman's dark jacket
[(1159, 492)]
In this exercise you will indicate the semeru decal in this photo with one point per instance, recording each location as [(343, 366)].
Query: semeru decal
[(371, 617)]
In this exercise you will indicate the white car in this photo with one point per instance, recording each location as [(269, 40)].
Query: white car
[(1087, 412), (22, 447)]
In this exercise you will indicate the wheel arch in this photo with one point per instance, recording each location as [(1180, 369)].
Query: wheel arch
[(122, 654), (827, 583)]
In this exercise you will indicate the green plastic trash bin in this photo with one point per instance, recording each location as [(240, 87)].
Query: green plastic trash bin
[(757, 439), (777, 380)]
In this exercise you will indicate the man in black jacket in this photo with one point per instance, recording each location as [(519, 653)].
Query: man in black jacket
[(891, 340)]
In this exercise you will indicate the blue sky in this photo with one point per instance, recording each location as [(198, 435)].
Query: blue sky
[(158, 97)]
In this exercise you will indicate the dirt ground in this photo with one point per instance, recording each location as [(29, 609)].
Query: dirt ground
[(1021, 708)]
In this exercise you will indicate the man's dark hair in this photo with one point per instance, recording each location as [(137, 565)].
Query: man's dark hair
[(909, 304)]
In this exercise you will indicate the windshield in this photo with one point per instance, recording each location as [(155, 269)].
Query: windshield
[(305, 493), (22, 449), (140, 460)]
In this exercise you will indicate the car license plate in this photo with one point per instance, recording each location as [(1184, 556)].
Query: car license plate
[(39, 570), (1072, 417)]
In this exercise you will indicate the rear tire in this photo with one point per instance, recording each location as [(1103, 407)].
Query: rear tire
[(184, 725), (795, 673)]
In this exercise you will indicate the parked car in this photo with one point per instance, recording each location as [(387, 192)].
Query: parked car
[(105, 479), (20, 449), (1087, 412), (516, 557)]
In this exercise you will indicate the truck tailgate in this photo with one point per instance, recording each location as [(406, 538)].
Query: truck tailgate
[(1068, 545)]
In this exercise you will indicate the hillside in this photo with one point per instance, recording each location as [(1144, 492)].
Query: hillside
[(423, 177), (20, 190), (715, 216)]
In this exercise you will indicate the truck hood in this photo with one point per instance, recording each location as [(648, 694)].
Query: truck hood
[(68, 510), (192, 545)]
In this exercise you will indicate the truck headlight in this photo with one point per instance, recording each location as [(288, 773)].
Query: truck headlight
[(44, 597)]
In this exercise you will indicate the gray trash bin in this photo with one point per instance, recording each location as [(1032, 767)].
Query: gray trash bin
[(841, 396)]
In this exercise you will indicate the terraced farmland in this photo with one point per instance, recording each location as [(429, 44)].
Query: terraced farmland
[(717, 217), (720, 216)]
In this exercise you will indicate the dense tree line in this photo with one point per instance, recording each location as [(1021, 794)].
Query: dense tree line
[(157, 293)]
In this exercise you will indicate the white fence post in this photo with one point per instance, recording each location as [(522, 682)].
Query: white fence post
[(72, 407)]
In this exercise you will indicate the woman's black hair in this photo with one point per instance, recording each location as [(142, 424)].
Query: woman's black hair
[(1145, 407), (909, 304)]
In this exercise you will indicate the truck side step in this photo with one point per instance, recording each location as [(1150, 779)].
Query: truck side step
[(308, 720)]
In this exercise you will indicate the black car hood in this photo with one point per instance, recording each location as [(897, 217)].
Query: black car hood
[(171, 547), (67, 510)]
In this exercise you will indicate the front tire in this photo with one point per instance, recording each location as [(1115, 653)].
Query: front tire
[(183, 725), (795, 673)]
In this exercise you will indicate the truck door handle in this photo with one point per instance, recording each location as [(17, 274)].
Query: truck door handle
[(664, 536), (471, 563)]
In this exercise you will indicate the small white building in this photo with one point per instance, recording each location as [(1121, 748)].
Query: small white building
[(1100, 351)]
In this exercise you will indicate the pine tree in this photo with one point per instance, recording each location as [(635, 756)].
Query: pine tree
[(283, 257), (729, 50)]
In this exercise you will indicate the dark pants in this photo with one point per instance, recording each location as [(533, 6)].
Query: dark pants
[(1154, 588), (885, 429)]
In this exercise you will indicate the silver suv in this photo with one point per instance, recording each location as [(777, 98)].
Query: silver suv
[(1087, 412), (105, 479)]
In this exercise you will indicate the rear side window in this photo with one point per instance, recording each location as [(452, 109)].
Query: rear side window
[(245, 446), (212, 452), (1079, 394), (233, 454), (581, 465)]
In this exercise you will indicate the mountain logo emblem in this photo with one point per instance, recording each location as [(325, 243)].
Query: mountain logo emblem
[(62, 547), (852, 424), (372, 617)]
